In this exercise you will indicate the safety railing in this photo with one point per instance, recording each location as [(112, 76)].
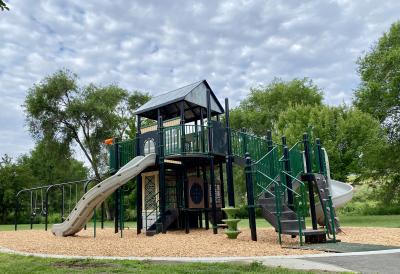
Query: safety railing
[(243, 142), (127, 151), (292, 188), (266, 171), (186, 139)]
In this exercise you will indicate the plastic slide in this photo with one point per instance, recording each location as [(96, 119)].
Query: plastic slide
[(341, 192), (83, 210)]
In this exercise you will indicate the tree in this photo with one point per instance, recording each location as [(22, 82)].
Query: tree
[(57, 108), (260, 110), (52, 162), (379, 91), (379, 95), (14, 176), (353, 139), (135, 100), (3, 5)]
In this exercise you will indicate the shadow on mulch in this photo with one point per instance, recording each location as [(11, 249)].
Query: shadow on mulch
[(342, 247)]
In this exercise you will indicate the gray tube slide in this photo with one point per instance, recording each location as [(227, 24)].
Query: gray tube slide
[(83, 210)]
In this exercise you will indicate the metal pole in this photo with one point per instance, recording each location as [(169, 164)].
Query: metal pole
[(229, 158), (116, 210), (62, 203), (288, 179), (320, 156), (16, 213), (46, 202), (139, 220), (310, 181), (94, 222), (162, 169), (31, 217), (211, 156), (121, 211), (102, 215), (116, 195), (250, 198), (203, 169), (85, 187)]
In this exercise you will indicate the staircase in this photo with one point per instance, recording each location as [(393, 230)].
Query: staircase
[(331, 221), (170, 217), (289, 223)]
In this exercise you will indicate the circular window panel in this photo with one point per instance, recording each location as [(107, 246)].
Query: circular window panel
[(196, 193)]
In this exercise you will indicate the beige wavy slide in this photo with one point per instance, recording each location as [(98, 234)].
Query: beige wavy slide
[(83, 210)]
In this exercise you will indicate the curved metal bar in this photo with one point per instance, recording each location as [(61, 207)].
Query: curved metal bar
[(47, 189)]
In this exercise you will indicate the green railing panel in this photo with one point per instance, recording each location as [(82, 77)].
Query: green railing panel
[(111, 158), (296, 158), (266, 171), (243, 142), (126, 153), (316, 159)]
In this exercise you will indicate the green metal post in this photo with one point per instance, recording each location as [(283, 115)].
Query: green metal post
[(121, 211), (139, 197), (250, 197), (162, 171), (94, 223), (320, 155), (211, 157), (203, 169), (229, 158), (116, 196), (288, 179), (310, 181)]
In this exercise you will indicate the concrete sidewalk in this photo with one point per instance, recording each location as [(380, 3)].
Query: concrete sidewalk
[(384, 261)]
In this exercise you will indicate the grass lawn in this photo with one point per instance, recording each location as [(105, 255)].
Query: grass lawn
[(371, 221), (23, 264)]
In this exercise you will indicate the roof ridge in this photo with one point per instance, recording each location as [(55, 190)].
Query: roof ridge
[(198, 83)]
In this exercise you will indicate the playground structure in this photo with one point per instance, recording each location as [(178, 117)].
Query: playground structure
[(175, 162)]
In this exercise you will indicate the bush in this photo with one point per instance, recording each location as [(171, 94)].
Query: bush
[(366, 201)]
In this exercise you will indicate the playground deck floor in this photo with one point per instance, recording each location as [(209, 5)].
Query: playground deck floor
[(199, 243)]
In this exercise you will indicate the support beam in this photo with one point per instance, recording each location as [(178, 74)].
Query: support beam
[(250, 198), (139, 197), (162, 171), (288, 179), (229, 158), (307, 153), (203, 169), (211, 156), (116, 193)]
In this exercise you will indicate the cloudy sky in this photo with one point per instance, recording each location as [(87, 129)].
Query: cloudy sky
[(157, 46)]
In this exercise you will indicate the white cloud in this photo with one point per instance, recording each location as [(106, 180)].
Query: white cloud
[(160, 45)]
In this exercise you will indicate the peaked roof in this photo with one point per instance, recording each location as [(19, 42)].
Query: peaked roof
[(193, 95)]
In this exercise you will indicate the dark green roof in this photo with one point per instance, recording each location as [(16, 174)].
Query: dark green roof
[(194, 97)]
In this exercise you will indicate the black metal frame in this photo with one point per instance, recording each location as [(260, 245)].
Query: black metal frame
[(47, 190)]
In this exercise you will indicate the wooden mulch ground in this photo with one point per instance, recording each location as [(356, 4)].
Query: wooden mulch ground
[(198, 243)]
